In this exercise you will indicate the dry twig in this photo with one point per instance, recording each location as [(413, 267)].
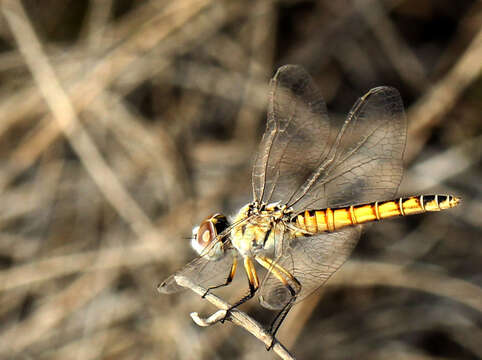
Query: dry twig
[(236, 316)]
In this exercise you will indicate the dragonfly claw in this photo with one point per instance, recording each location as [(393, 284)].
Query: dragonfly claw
[(226, 316), (205, 294), (273, 340)]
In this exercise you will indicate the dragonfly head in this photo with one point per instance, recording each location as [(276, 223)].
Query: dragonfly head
[(205, 236)]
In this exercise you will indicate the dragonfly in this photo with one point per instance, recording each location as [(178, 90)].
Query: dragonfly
[(315, 181)]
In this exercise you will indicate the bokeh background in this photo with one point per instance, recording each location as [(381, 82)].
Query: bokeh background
[(124, 123)]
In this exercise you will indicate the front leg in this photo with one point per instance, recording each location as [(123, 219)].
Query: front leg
[(229, 279)]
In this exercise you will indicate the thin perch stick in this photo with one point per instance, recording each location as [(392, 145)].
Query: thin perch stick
[(236, 316)]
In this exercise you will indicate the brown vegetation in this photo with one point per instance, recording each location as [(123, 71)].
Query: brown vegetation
[(124, 123)]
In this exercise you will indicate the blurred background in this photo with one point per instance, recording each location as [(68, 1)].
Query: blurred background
[(124, 123)]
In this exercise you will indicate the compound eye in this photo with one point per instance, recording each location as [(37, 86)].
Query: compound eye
[(208, 231), (220, 223), (203, 235)]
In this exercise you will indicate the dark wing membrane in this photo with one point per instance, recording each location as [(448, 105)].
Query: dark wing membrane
[(201, 271), (365, 162), (298, 135), (311, 260)]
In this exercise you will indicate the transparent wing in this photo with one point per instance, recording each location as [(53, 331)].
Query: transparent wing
[(308, 161), (298, 134), (366, 161), (202, 271), (311, 260)]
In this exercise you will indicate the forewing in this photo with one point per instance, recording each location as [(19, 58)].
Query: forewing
[(311, 260), (365, 161), (308, 161), (201, 271), (298, 134)]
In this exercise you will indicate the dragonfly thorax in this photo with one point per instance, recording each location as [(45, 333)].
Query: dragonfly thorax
[(257, 228)]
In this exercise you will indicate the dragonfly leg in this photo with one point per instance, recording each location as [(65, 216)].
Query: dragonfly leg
[(278, 320), (285, 277), (280, 272), (253, 285), (228, 279)]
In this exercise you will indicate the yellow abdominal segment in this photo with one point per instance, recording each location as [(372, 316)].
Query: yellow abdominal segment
[(328, 220)]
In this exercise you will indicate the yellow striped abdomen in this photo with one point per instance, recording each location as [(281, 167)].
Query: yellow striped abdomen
[(327, 220)]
